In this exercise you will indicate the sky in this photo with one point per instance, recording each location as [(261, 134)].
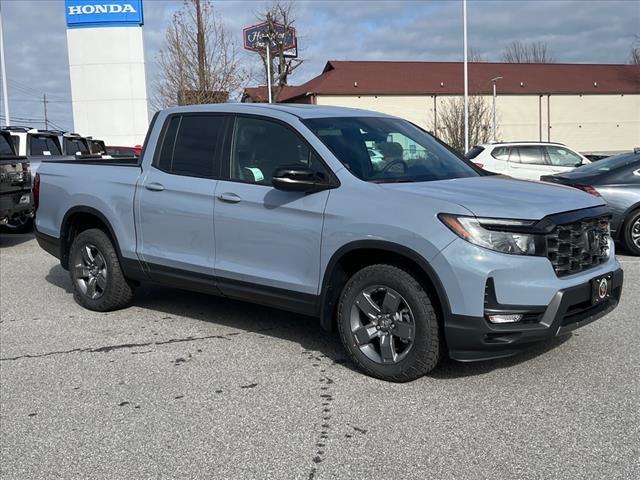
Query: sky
[(580, 31)]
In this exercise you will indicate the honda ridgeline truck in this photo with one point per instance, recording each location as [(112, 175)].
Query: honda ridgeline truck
[(417, 256)]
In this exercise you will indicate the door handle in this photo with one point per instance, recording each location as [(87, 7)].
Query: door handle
[(229, 197), (154, 187)]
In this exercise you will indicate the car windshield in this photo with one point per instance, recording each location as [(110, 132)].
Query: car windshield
[(610, 163), (381, 150)]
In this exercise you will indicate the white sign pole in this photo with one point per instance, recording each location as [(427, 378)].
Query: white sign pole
[(269, 69), (5, 95)]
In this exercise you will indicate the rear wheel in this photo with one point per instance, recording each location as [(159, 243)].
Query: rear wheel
[(388, 325), (631, 233), (97, 278)]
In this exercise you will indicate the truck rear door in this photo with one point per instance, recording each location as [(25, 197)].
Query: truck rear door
[(175, 199)]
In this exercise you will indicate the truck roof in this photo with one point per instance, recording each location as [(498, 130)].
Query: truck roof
[(298, 110)]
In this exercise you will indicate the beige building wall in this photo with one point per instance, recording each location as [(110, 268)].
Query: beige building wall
[(587, 123), (108, 84)]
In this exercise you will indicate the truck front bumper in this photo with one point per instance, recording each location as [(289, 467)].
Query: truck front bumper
[(471, 338)]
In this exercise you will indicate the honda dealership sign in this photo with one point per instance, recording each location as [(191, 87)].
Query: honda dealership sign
[(107, 69), (103, 13)]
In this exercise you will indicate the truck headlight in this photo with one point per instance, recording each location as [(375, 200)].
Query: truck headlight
[(495, 234)]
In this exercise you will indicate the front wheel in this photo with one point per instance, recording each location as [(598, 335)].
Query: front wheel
[(388, 325), (98, 281), (631, 233)]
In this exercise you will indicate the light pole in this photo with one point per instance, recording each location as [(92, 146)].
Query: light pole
[(3, 67), (494, 81), (466, 78)]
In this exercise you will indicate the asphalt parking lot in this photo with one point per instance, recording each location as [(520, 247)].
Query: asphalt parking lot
[(182, 385)]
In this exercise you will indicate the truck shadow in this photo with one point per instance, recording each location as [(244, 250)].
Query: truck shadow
[(269, 322)]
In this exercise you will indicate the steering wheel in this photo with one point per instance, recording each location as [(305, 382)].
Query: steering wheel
[(397, 161)]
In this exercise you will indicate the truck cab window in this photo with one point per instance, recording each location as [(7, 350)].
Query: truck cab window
[(261, 146), (190, 145)]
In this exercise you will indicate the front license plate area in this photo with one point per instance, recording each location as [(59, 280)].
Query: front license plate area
[(601, 288)]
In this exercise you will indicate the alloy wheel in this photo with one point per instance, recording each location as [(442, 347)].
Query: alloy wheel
[(90, 271), (635, 232), (382, 324)]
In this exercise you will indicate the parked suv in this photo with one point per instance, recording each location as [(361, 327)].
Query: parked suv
[(281, 205), (16, 209), (526, 160)]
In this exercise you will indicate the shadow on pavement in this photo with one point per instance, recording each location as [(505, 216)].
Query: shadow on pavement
[(304, 330), (13, 239)]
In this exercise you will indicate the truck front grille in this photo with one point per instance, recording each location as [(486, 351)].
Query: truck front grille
[(578, 246)]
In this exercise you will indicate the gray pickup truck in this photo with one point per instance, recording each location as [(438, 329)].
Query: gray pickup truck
[(16, 209), (412, 256)]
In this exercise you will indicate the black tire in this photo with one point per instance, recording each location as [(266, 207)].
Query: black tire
[(627, 232), (19, 227), (424, 353), (116, 292)]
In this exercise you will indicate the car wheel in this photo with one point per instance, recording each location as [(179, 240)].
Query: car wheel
[(631, 233), (18, 225), (98, 281), (388, 325)]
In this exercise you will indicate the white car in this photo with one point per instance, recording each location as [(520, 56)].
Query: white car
[(526, 160)]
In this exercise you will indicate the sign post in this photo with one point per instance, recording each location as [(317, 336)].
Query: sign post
[(271, 38), (269, 72)]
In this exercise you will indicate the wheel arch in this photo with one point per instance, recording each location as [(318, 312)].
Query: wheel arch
[(360, 253), (78, 219)]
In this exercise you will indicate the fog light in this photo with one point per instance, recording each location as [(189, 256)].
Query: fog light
[(510, 318)]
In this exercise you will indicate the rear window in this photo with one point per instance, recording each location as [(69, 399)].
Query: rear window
[(191, 145), (6, 148), (97, 147), (73, 146), (611, 163), (43, 145), (474, 152), (500, 153)]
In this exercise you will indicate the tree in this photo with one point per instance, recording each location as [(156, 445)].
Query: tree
[(634, 55), (450, 122), (532, 52), (199, 60), (278, 13)]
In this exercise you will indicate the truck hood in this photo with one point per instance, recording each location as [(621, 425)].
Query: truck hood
[(498, 196)]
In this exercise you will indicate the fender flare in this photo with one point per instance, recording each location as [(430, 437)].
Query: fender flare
[(416, 258), (64, 227)]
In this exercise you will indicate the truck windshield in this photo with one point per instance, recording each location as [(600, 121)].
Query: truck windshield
[(381, 150)]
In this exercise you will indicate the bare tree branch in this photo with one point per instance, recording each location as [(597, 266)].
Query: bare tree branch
[(278, 12), (199, 60), (634, 55), (533, 52), (450, 122)]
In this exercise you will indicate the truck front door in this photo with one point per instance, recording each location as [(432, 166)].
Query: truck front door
[(267, 240)]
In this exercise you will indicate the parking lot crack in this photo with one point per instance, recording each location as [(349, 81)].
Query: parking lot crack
[(110, 348)]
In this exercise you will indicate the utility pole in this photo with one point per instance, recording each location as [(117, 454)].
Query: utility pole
[(201, 49), (46, 119), (5, 95)]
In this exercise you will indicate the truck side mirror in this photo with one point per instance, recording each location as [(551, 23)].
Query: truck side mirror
[(298, 178)]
